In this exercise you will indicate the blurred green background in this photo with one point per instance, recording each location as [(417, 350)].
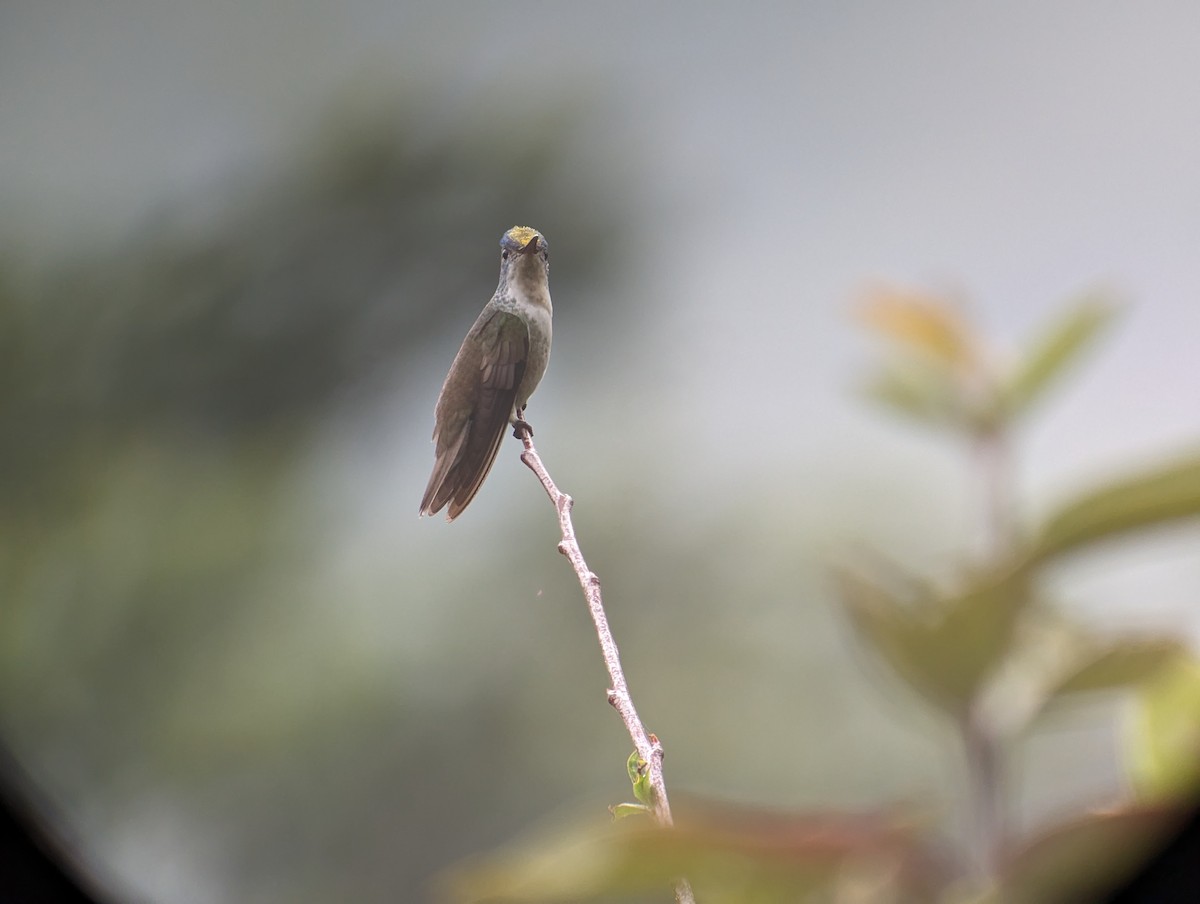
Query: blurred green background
[(239, 246)]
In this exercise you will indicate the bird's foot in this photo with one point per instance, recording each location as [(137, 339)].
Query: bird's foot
[(521, 428)]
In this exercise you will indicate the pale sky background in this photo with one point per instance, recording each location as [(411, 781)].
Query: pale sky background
[(1012, 154), (1017, 153)]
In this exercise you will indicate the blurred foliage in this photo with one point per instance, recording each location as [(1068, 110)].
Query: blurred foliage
[(985, 648), (954, 652), (1053, 352), (1082, 859), (947, 375), (161, 394), (945, 646), (730, 854)]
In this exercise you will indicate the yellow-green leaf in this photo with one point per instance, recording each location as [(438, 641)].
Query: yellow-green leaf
[(1057, 348), (1164, 494), (1164, 756), (625, 810)]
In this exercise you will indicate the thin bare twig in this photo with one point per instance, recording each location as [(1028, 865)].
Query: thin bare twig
[(647, 745)]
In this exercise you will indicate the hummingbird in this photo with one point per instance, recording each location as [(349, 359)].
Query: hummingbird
[(496, 370)]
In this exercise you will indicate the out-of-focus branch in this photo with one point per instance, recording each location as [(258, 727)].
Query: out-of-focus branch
[(984, 750), (994, 467), (984, 768), (647, 745)]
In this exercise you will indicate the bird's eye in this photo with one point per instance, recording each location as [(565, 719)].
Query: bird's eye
[(545, 255), (503, 255)]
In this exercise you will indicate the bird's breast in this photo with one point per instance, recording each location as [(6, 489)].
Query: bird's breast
[(535, 310)]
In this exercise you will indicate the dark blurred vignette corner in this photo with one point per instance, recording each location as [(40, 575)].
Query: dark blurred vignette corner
[(37, 864), (1172, 874)]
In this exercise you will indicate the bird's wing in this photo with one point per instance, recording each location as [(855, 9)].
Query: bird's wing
[(485, 375)]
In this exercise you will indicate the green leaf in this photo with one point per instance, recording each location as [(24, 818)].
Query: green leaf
[(639, 776), (1053, 351), (943, 646), (1164, 756), (1156, 497)]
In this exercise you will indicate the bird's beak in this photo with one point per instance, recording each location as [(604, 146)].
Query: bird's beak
[(531, 246)]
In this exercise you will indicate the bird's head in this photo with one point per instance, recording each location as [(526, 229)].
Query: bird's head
[(524, 253)]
